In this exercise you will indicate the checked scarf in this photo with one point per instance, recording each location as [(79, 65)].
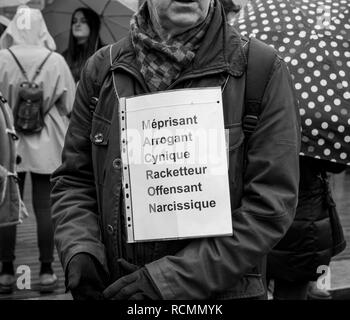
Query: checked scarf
[(161, 62)]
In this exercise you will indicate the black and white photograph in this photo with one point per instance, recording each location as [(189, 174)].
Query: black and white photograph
[(162, 151)]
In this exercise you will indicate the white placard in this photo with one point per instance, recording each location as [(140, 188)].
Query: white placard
[(175, 175)]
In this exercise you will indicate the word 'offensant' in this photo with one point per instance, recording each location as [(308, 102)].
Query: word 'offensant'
[(161, 190)]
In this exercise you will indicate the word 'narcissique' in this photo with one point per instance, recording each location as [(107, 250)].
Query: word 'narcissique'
[(181, 206)]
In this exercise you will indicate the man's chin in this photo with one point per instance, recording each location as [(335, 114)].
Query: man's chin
[(187, 21)]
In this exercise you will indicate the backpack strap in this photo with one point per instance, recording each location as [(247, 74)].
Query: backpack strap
[(37, 72), (24, 72), (261, 58)]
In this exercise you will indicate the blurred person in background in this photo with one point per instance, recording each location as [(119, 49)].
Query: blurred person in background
[(40, 152), (84, 39), (315, 236)]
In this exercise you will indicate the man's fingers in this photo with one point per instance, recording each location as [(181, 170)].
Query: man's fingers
[(126, 266), (86, 293), (137, 296), (126, 292), (73, 279), (118, 285)]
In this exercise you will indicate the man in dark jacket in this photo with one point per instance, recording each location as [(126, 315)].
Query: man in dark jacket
[(174, 45)]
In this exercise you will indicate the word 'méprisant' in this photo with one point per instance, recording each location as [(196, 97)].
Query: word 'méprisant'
[(171, 122)]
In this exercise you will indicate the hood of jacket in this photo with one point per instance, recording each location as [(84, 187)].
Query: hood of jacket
[(28, 27)]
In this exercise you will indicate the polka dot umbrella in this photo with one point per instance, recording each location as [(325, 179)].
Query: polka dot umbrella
[(313, 37), (328, 16)]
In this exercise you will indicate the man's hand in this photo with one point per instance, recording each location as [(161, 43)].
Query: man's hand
[(86, 278), (137, 285)]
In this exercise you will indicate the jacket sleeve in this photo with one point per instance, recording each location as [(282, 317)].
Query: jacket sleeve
[(73, 196), (209, 266)]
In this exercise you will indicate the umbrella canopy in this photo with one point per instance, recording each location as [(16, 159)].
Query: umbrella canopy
[(132, 4), (312, 37), (12, 3), (329, 17), (115, 19), (4, 21)]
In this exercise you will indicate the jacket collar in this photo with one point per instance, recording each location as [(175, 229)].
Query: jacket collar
[(221, 50)]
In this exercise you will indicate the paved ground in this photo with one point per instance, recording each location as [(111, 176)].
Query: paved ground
[(27, 253)]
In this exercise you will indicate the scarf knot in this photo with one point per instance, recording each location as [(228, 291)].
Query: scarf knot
[(161, 62)]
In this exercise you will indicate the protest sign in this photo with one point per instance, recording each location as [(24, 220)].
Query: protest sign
[(175, 175)]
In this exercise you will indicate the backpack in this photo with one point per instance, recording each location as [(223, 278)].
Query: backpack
[(28, 113), (12, 209)]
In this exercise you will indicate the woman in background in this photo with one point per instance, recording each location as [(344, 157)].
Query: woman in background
[(40, 152), (84, 39)]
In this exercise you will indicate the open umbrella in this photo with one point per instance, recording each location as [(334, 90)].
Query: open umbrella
[(3, 24), (115, 19), (12, 3), (312, 37), (4, 21), (329, 17)]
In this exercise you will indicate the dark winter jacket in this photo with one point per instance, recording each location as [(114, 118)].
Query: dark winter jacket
[(316, 234), (87, 188)]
